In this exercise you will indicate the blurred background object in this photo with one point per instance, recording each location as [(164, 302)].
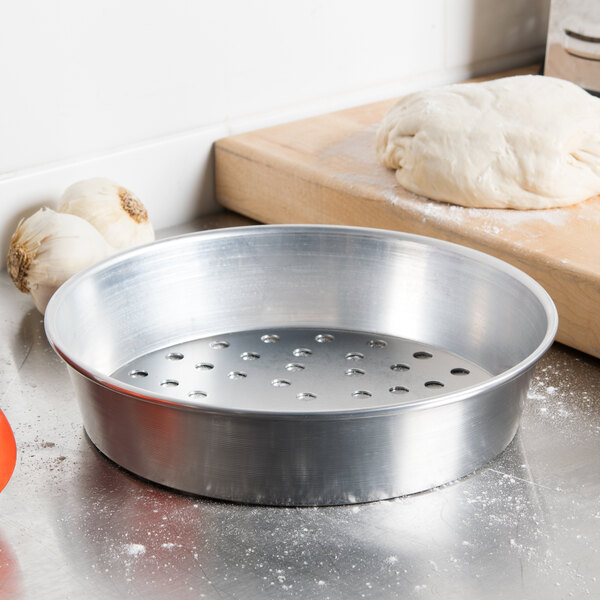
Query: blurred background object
[(573, 46)]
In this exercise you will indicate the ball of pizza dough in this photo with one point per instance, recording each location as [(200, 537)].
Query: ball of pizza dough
[(520, 142)]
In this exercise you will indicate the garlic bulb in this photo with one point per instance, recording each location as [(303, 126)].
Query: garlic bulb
[(112, 209), (47, 248)]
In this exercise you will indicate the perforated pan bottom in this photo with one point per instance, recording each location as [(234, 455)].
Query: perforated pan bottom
[(291, 414), (300, 370)]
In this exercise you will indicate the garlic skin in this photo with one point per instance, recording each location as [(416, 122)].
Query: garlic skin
[(112, 209), (49, 247)]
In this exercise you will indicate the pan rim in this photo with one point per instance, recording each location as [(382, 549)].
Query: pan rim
[(477, 390)]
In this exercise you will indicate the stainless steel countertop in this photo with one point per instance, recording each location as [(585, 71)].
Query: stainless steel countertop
[(74, 525)]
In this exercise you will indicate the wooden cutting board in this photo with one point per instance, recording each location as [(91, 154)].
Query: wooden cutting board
[(325, 170)]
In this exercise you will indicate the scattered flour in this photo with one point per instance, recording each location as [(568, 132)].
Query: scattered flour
[(353, 163), (135, 549)]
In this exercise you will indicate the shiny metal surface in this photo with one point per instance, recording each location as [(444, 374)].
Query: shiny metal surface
[(381, 283), (73, 525), (303, 370), (573, 44)]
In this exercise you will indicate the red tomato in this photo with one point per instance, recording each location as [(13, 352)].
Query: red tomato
[(8, 451)]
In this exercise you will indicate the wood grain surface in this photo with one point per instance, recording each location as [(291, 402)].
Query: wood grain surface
[(325, 170)]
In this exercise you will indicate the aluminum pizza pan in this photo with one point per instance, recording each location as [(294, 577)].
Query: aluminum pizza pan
[(301, 365)]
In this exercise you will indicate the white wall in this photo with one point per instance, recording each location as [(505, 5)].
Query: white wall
[(138, 90)]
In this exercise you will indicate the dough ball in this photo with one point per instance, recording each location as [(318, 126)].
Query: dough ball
[(519, 142)]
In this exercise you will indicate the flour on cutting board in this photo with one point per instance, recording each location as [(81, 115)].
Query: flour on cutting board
[(353, 161)]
